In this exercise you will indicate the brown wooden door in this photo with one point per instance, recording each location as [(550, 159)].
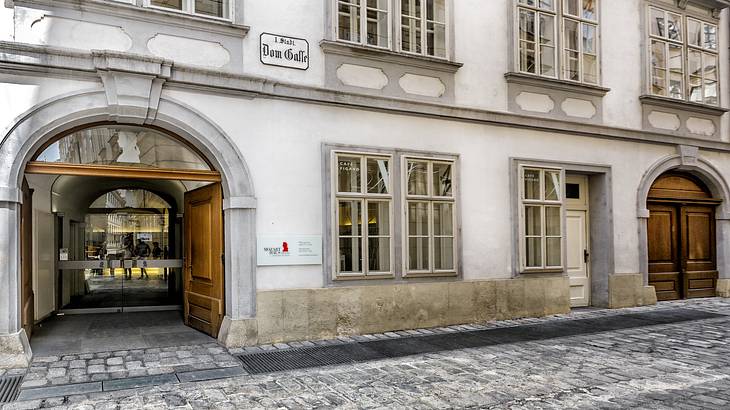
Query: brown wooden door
[(664, 256), (27, 315), (203, 247), (698, 251)]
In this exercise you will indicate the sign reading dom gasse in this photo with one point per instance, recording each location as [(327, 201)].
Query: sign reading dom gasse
[(284, 51)]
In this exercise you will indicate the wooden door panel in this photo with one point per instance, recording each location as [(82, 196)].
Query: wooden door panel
[(663, 240), (204, 274), (26, 260), (698, 251)]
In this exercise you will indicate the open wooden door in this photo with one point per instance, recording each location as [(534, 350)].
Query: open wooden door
[(27, 315), (203, 247)]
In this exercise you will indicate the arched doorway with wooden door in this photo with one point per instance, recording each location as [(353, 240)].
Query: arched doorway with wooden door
[(681, 237)]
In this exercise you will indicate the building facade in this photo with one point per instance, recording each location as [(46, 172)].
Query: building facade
[(511, 158)]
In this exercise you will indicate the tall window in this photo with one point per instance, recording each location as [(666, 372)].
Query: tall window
[(541, 209), (538, 39), (423, 27), (430, 216), (684, 57), (371, 17), (213, 8), (363, 213)]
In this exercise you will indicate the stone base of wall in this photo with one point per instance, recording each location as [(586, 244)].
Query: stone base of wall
[(628, 290), (15, 351), (723, 288), (312, 314)]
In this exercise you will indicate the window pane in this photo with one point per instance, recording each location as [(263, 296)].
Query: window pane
[(350, 216), (377, 28), (378, 4), (572, 65), (571, 7), (350, 255), (436, 10), (589, 39), (348, 22), (553, 251), (527, 57), (411, 35), (378, 176), (710, 37), (533, 220), (442, 179), (552, 186), (552, 221), (527, 25), (418, 254), (443, 219), (694, 60), (436, 40), (710, 66), (590, 69), (531, 183), (656, 20), (171, 4), (411, 8), (571, 35), (546, 4), (676, 73), (589, 9), (348, 174), (674, 27), (711, 92), (547, 61), (533, 252), (379, 254), (443, 255), (378, 218), (418, 218), (417, 178), (547, 29), (694, 32), (695, 89)]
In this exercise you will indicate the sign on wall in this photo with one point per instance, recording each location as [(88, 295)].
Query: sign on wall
[(284, 51), (275, 250)]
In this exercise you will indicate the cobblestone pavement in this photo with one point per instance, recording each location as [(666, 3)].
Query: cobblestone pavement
[(677, 366)]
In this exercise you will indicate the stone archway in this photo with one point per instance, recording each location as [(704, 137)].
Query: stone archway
[(113, 103)]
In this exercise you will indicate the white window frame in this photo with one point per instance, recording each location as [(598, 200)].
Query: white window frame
[(543, 204), (424, 34), (686, 48), (363, 197), (363, 23), (188, 8), (556, 45), (430, 199)]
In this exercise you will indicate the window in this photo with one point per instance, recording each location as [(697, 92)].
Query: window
[(363, 204), (538, 39), (421, 24), (210, 8), (684, 57), (430, 216), (541, 218)]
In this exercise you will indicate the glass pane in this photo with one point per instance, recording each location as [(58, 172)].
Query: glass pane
[(443, 219), (553, 251), (443, 255), (379, 254), (418, 218), (377, 28), (656, 20), (348, 174), (377, 4), (527, 25), (417, 178), (378, 176), (547, 29), (552, 186), (694, 32), (590, 69), (533, 220), (659, 82), (547, 61), (676, 73), (674, 27), (418, 254), (171, 4), (350, 255), (378, 218), (546, 4), (552, 221), (442, 179), (710, 66), (571, 34), (695, 89), (589, 39), (711, 92), (533, 252), (572, 191), (216, 8), (436, 40), (121, 145), (589, 9), (350, 216), (572, 65), (694, 60), (436, 10), (348, 26), (710, 37), (531, 182), (571, 7), (527, 57), (411, 8), (411, 35)]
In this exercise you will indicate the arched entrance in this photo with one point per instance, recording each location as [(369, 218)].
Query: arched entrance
[(681, 232)]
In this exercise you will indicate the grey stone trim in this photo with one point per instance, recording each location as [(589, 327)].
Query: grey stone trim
[(80, 64), (146, 14), (388, 56), (682, 105), (239, 202), (713, 4), (10, 195), (556, 84), (683, 110)]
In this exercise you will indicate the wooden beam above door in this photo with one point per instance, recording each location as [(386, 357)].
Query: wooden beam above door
[(117, 171)]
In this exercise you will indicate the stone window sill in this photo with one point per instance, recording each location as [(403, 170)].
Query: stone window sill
[(376, 54), (148, 14), (683, 105), (556, 84)]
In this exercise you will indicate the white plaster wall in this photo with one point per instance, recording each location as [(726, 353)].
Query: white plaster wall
[(6, 24)]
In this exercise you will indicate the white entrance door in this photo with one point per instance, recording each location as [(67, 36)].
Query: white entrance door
[(578, 240)]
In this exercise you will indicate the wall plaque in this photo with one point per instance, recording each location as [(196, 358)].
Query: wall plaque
[(273, 250), (284, 51)]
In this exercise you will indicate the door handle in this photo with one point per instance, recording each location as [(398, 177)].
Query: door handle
[(586, 255)]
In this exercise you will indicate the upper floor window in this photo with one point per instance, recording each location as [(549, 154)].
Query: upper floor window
[(684, 57), (210, 8), (572, 54), (420, 24)]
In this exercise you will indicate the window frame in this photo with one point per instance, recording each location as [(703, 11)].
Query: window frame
[(424, 33), (362, 24), (686, 48), (543, 204), (431, 200), (188, 9), (363, 197)]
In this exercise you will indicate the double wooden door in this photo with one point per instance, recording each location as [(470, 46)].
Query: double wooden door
[(682, 253)]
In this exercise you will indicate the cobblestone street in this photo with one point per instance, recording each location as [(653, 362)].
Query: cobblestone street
[(681, 365)]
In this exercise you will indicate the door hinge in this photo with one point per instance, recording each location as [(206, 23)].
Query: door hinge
[(586, 255)]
